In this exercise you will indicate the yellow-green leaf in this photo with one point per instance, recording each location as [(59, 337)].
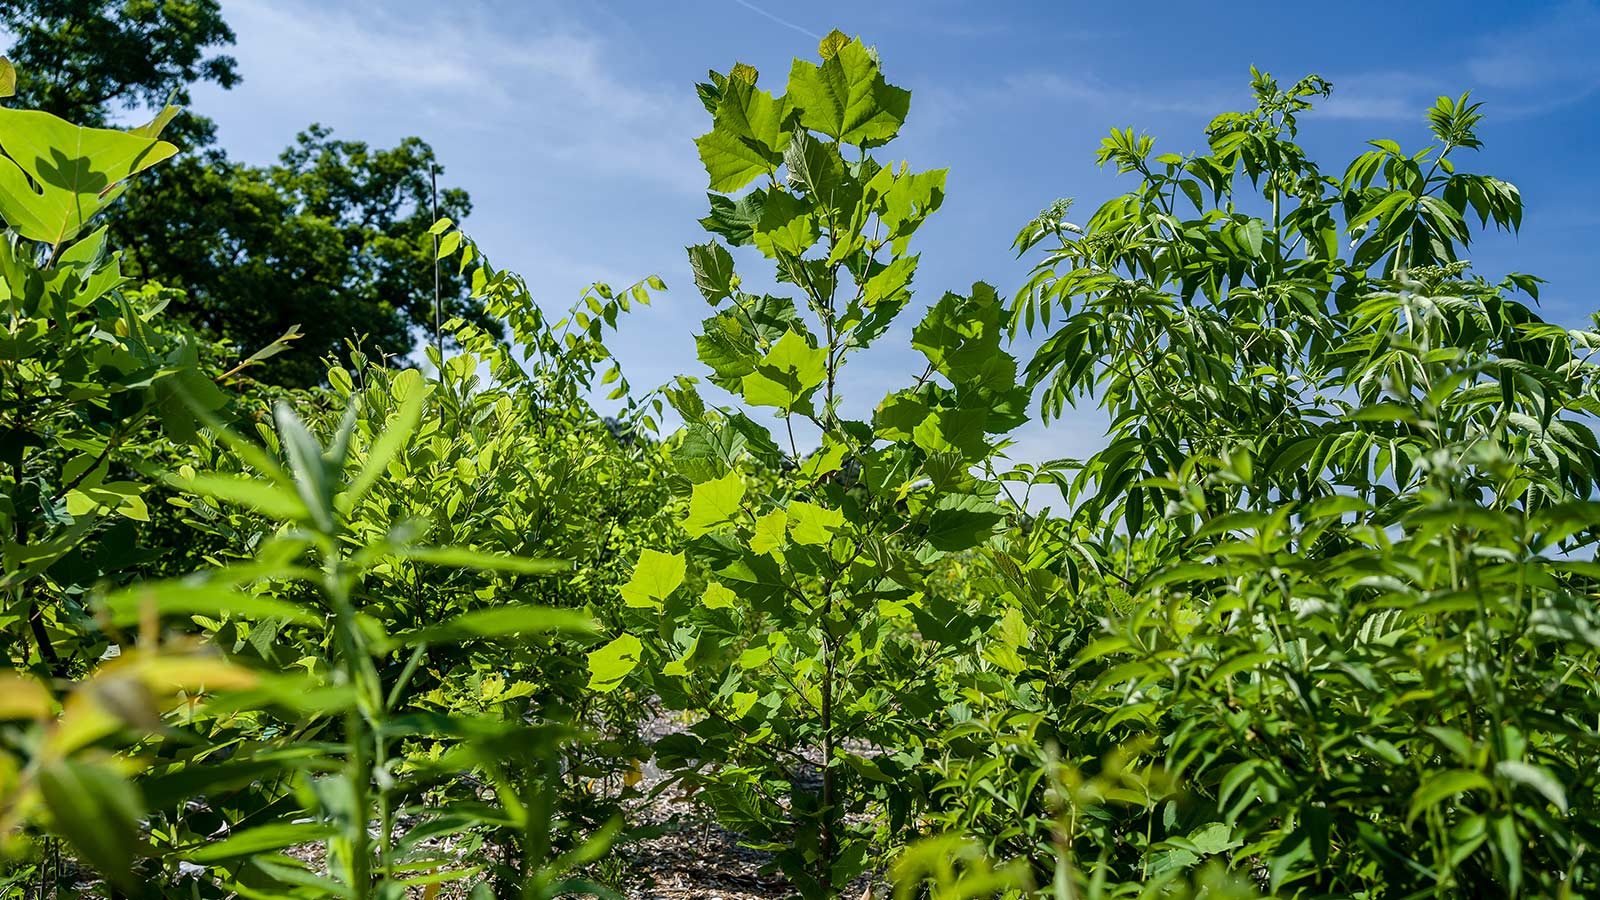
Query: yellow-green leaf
[(655, 576), (612, 663), (769, 532), (787, 375), (717, 596), (846, 97), (747, 137), (56, 175), (714, 504), (812, 524)]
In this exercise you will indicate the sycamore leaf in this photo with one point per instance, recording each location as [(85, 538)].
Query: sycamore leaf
[(830, 46), (735, 220), (892, 282), (727, 347), (717, 596), (787, 226), (904, 200), (827, 459), (612, 663), (846, 97), (655, 577), (961, 522), (959, 430), (747, 137), (680, 667), (960, 336), (769, 532), (713, 271), (817, 167), (787, 375), (714, 504), (813, 524), (897, 417)]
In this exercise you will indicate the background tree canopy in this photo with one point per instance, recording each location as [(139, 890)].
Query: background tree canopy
[(331, 238)]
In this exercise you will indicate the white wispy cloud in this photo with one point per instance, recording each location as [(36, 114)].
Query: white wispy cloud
[(551, 83), (1545, 64)]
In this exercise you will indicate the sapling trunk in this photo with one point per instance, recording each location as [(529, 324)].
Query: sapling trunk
[(827, 838)]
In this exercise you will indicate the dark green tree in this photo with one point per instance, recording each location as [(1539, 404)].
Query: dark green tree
[(332, 238), (85, 60)]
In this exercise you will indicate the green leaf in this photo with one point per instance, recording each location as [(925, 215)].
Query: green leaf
[(157, 124), (735, 219), (313, 476), (897, 417), (714, 504), (813, 524), (904, 200), (961, 522), (818, 169), (500, 621), (655, 576), (412, 392), (846, 98), (787, 375), (1442, 786), (679, 667), (612, 663), (748, 136), (74, 172), (214, 600), (8, 78), (273, 500), (95, 808), (953, 430), (464, 558), (1536, 777), (826, 460), (728, 348), (122, 497), (830, 46), (891, 283), (787, 226), (261, 839), (713, 271), (961, 336), (769, 532), (717, 596)]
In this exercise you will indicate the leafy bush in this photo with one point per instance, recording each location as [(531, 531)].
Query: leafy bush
[(784, 619), (1341, 637)]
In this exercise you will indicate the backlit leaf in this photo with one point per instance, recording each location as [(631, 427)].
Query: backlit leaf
[(610, 664)]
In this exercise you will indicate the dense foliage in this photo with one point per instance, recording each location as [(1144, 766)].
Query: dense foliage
[(1318, 621)]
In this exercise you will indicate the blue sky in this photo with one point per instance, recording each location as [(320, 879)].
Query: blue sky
[(571, 123)]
